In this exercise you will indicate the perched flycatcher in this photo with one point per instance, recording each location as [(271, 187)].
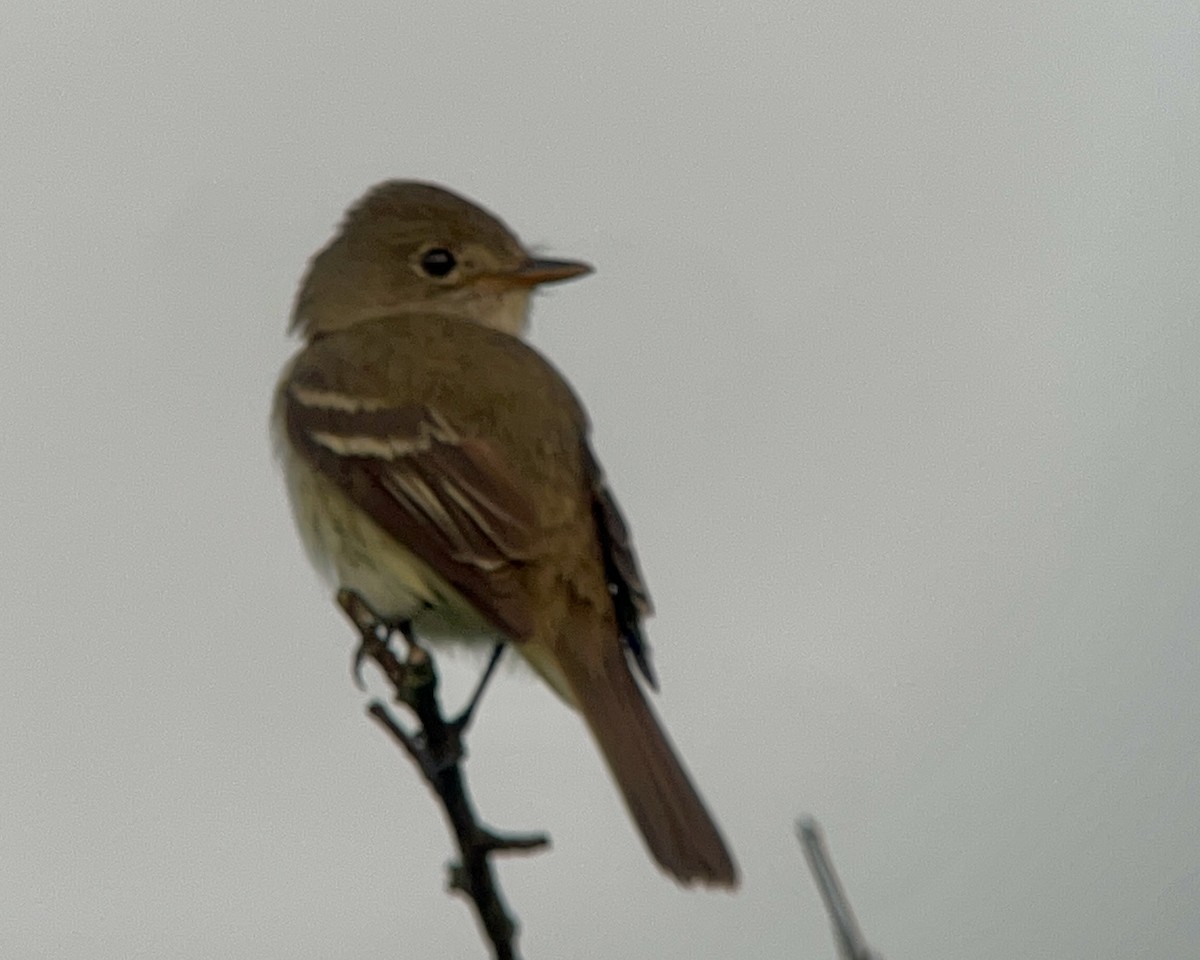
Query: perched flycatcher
[(440, 468)]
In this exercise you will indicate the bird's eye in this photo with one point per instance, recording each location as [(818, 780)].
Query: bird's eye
[(438, 262)]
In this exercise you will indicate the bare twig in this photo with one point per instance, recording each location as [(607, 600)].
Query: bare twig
[(850, 942), (437, 750)]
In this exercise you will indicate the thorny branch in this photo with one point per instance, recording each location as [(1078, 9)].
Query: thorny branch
[(436, 748)]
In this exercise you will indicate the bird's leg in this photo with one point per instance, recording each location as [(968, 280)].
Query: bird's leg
[(463, 720), (378, 642), (404, 627), (373, 630)]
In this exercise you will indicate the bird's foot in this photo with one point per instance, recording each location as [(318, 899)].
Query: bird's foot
[(375, 634)]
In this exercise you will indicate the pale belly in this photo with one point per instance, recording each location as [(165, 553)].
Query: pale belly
[(350, 551)]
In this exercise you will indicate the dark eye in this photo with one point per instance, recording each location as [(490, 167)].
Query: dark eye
[(438, 262)]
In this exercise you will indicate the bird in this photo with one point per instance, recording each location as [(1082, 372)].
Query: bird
[(441, 468)]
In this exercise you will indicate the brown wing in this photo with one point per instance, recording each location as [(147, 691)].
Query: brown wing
[(631, 599), (450, 500)]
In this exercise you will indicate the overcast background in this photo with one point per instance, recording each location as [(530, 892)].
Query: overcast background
[(891, 352)]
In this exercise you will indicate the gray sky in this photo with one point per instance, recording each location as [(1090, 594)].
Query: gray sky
[(892, 357)]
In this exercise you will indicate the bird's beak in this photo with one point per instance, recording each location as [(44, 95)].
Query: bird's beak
[(536, 271)]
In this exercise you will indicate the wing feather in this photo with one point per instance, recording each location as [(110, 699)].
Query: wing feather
[(450, 500), (631, 598)]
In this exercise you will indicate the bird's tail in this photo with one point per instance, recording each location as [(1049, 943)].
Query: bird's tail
[(677, 827)]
